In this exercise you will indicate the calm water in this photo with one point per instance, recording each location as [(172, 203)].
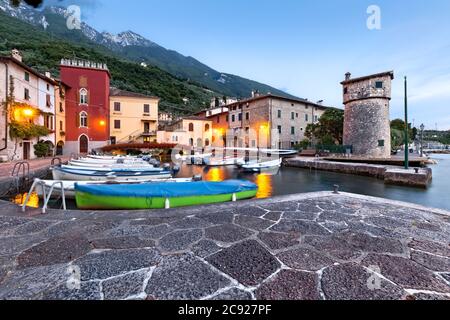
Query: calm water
[(294, 180)]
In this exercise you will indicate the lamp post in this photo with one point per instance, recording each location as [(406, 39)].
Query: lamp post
[(422, 128), (406, 126)]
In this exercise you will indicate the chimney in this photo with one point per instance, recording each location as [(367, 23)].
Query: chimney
[(253, 94), (48, 75), (348, 75), (16, 55)]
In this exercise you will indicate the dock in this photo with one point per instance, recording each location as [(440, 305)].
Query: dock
[(414, 177)]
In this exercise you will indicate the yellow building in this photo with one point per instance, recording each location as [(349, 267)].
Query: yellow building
[(60, 107), (189, 131), (133, 117)]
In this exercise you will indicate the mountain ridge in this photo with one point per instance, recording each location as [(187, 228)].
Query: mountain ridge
[(135, 47)]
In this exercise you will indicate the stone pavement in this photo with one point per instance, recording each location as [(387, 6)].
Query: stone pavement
[(35, 165), (310, 246)]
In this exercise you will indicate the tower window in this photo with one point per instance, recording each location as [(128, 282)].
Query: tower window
[(379, 84), (27, 76), (83, 96), (116, 124), (83, 120), (381, 143), (345, 90)]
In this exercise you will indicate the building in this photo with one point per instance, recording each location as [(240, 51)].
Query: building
[(133, 117), (87, 105), (270, 121), (219, 118), (367, 121), (223, 101), (33, 106), (191, 131), (60, 106)]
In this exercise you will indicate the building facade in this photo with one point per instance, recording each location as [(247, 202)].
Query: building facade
[(192, 131), (33, 105), (367, 121), (133, 117), (219, 118), (87, 105), (269, 121), (60, 106)]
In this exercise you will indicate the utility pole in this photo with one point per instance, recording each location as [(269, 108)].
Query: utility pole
[(406, 126)]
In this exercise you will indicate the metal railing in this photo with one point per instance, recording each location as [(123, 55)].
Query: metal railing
[(40, 183), (23, 166)]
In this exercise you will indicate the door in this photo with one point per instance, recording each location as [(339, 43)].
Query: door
[(84, 144), (146, 127), (26, 151)]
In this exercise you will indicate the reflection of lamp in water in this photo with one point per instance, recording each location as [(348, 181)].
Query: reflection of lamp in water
[(264, 183), (215, 175)]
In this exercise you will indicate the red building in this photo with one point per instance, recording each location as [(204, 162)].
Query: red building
[(87, 105)]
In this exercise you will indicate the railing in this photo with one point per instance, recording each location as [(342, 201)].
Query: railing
[(40, 183), (23, 166), (344, 149)]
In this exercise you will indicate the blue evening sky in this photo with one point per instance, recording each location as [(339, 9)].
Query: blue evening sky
[(302, 46)]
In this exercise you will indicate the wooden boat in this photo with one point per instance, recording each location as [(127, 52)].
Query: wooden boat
[(75, 174), (161, 195), (69, 186), (258, 166)]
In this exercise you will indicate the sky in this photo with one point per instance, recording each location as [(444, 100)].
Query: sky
[(302, 46)]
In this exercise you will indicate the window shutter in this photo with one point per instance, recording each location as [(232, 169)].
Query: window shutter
[(77, 119), (87, 121), (87, 97), (78, 97)]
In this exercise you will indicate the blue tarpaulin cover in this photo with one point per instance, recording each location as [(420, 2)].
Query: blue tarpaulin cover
[(167, 189)]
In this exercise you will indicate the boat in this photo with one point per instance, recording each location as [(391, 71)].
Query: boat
[(114, 169), (76, 163), (228, 161), (83, 174), (69, 186), (109, 161), (161, 195), (258, 166)]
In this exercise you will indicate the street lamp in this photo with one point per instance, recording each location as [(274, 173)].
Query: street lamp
[(422, 128)]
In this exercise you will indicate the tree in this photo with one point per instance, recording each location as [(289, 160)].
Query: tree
[(329, 129), (398, 133)]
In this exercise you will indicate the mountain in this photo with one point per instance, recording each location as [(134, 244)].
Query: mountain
[(137, 48), (43, 51)]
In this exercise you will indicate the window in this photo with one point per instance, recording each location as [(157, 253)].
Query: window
[(27, 76), (316, 118), (247, 116), (233, 118), (48, 101), (296, 115), (26, 94), (279, 113), (116, 124), (240, 116), (379, 84), (48, 87), (146, 108), (345, 90), (306, 118), (292, 115), (247, 130), (61, 126), (381, 143), (83, 120), (113, 140), (206, 127), (83, 96), (61, 109), (191, 127), (292, 130), (279, 129), (117, 106), (227, 118)]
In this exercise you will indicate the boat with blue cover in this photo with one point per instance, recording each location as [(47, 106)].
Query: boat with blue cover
[(161, 195)]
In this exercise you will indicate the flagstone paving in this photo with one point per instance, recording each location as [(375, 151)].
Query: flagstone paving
[(310, 246)]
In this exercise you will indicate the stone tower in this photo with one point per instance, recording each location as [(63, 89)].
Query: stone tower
[(367, 121)]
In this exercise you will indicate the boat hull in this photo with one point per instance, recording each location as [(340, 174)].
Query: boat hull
[(161, 195), (88, 201), (80, 176)]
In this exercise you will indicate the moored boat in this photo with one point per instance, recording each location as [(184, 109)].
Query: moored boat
[(258, 166), (161, 195), (114, 169), (69, 186), (228, 161), (76, 174)]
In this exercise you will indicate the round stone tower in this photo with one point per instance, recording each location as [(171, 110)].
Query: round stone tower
[(367, 121)]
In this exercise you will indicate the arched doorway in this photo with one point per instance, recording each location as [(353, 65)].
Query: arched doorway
[(60, 148), (84, 144), (207, 142)]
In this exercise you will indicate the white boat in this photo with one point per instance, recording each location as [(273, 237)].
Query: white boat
[(258, 166), (113, 169), (77, 163), (109, 161), (228, 161), (76, 174), (69, 186)]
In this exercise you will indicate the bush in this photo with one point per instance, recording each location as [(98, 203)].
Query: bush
[(41, 149)]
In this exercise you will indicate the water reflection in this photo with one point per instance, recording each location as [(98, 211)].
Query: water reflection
[(215, 175), (33, 202), (264, 183)]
